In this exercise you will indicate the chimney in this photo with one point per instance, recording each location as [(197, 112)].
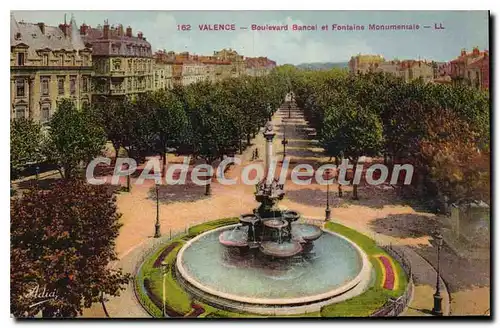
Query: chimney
[(475, 51), (463, 53), (64, 28), (129, 32), (139, 35), (120, 30), (42, 27), (83, 29), (105, 30)]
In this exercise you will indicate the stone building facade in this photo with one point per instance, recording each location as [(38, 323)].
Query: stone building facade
[(163, 70), (472, 69), (123, 63), (411, 70), (47, 63), (236, 61), (360, 64)]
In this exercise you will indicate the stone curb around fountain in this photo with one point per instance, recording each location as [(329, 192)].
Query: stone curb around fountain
[(282, 306)]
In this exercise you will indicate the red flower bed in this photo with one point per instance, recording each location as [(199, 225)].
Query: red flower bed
[(163, 254), (197, 310), (390, 277)]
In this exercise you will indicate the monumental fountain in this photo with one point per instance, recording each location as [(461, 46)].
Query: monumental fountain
[(270, 263), (269, 229)]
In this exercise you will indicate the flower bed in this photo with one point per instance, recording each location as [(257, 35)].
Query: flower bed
[(389, 277)]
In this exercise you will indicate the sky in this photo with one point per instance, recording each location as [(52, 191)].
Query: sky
[(462, 29)]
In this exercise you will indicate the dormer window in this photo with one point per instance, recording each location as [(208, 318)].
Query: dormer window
[(20, 59)]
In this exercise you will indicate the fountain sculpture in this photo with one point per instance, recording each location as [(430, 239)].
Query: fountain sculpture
[(270, 229)]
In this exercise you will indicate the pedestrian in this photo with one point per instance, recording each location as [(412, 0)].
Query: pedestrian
[(256, 153)]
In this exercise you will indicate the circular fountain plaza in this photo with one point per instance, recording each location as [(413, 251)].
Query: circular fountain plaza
[(271, 264)]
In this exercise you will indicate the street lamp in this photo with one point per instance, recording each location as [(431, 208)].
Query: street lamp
[(157, 225), (127, 148), (437, 309), (328, 212), (37, 172), (164, 267), (284, 142)]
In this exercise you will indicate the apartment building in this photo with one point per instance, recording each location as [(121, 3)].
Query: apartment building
[(123, 63), (47, 63), (472, 68), (163, 70)]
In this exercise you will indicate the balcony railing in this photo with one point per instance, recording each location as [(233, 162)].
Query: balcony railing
[(118, 91), (118, 73)]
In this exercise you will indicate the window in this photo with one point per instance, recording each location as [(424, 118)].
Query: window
[(45, 61), (20, 112), (45, 85), (85, 86), (61, 60), (60, 85), (45, 113), (117, 64), (73, 60), (20, 59), (72, 85), (20, 92)]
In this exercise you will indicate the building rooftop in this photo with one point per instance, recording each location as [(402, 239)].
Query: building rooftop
[(40, 36), (109, 40)]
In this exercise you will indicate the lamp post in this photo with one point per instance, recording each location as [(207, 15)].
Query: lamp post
[(37, 172), (438, 309), (127, 148), (328, 212), (284, 142), (157, 225), (164, 267), (289, 110)]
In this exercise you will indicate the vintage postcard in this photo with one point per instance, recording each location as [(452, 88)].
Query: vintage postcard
[(250, 164)]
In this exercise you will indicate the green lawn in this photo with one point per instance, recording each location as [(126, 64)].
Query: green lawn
[(200, 228), (365, 304), (179, 300)]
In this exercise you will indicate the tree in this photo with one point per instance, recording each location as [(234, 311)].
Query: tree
[(63, 239), (26, 140), (449, 154), (169, 122), (113, 116), (211, 122), (74, 137), (356, 130)]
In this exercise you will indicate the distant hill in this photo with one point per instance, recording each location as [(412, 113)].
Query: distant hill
[(322, 66)]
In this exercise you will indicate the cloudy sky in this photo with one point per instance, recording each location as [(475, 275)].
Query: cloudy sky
[(462, 29)]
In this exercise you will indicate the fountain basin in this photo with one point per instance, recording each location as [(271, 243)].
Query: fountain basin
[(306, 232), (291, 216), (248, 218), (285, 249), (234, 238), (337, 269)]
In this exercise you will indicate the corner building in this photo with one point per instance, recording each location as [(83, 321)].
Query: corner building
[(47, 63), (123, 63)]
